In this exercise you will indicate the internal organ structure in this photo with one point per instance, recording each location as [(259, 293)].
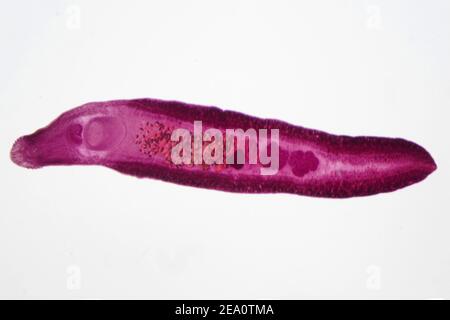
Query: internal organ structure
[(135, 137)]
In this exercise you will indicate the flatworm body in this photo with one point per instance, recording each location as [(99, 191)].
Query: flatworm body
[(143, 138)]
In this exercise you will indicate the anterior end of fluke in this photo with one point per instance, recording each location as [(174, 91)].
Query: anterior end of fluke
[(21, 154), (24, 153)]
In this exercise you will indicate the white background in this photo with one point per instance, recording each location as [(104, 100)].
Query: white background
[(347, 67)]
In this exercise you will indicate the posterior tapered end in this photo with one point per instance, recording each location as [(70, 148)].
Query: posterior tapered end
[(427, 162), (433, 165)]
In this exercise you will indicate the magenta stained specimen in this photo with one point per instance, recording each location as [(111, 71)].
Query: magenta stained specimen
[(134, 137)]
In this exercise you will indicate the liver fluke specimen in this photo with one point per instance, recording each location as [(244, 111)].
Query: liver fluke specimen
[(135, 137)]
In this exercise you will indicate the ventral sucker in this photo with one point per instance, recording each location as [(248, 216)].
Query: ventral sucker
[(212, 148)]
